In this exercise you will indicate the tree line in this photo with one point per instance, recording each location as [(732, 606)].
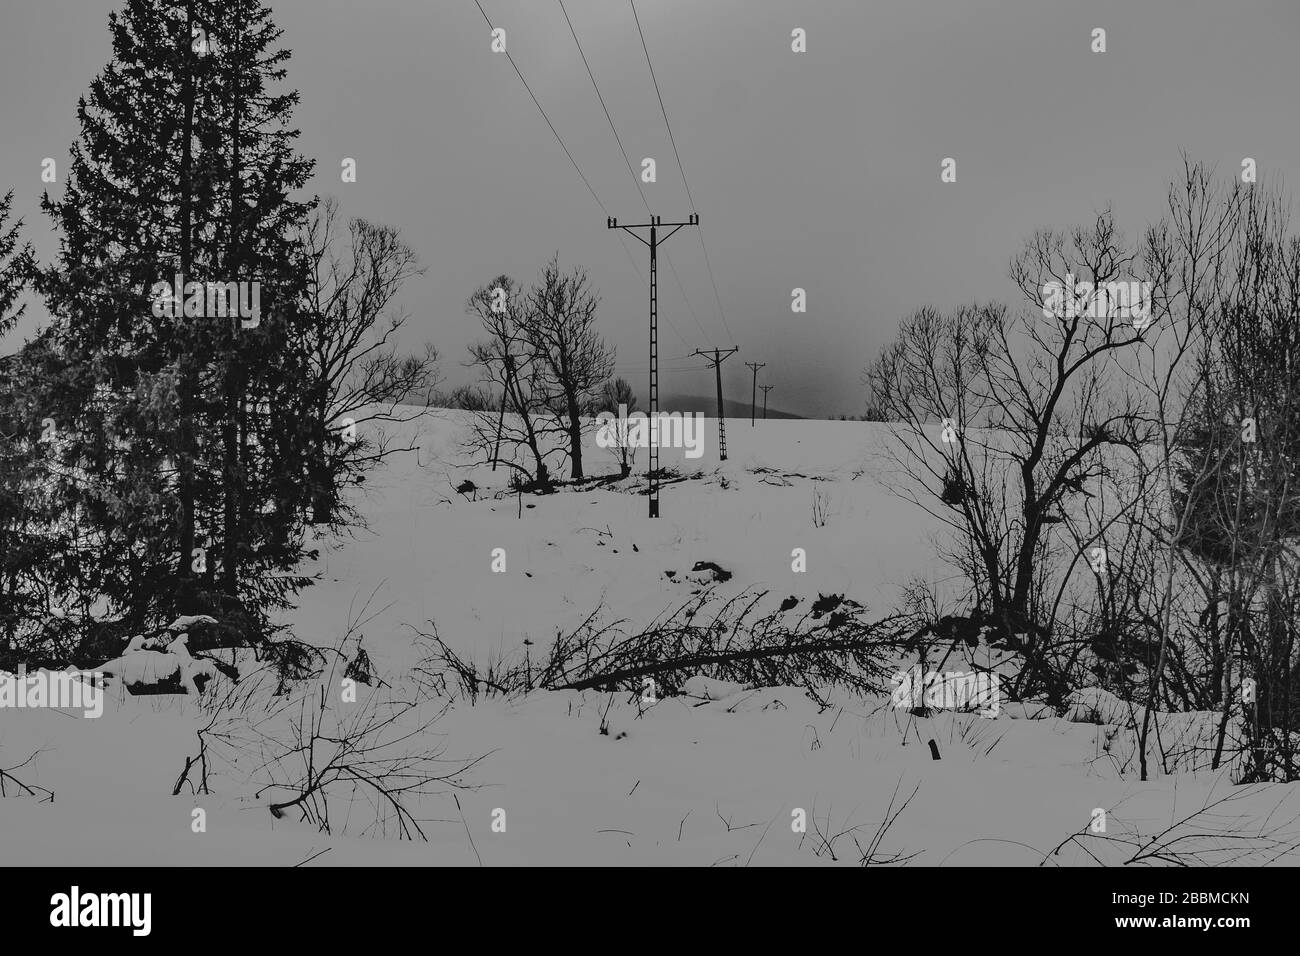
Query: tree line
[(156, 457), (1122, 494), (161, 455)]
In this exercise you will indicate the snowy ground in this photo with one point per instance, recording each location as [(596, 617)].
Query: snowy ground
[(585, 777)]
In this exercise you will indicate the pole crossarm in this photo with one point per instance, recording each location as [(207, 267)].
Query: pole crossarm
[(717, 355), (613, 223), (655, 221)]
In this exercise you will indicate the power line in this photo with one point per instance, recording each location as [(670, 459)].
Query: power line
[(689, 308), (559, 139), (717, 298), (680, 338), (675, 368), (544, 116), (618, 139), (682, 169), (636, 180), (662, 109)]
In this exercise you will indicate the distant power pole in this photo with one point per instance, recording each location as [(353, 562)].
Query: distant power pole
[(766, 389), (655, 223), (716, 360), (753, 395)]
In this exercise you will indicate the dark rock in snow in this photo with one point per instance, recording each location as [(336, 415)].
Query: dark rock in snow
[(826, 603), (719, 573)]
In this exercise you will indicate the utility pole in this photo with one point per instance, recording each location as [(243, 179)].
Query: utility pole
[(654, 225), (753, 395), (766, 389), (716, 360)]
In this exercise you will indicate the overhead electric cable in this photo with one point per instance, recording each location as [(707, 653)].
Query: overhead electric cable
[(682, 169)]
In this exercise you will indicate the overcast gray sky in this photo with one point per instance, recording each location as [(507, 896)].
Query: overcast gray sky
[(818, 170)]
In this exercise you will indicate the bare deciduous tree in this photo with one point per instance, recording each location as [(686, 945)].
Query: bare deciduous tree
[(544, 354), (1095, 463), (560, 329), (615, 395), (1003, 421), (359, 373), (506, 362)]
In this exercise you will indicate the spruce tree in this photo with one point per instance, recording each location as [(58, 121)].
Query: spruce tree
[(175, 454), (23, 504)]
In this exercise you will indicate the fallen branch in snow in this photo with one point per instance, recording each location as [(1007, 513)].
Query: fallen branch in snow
[(870, 855), (701, 661), (1209, 836), (441, 663), (185, 773), (8, 780), (735, 644), (825, 648), (344, 745), (201, 760), (324, 748), (374, 750)]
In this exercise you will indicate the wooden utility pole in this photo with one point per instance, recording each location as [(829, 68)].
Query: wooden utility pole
[(766, 389), (753, 395), (716, 360), (654, 225)]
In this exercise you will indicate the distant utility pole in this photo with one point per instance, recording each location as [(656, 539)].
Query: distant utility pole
[(766, 389), (753, 395), (654, 225), (716, 360)]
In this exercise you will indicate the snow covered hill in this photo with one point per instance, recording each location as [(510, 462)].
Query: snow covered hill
[(721, 774)]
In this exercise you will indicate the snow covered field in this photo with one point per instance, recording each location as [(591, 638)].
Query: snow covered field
[(719, 775)]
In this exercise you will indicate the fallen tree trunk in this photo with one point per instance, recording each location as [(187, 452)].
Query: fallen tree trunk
[(705, 660)]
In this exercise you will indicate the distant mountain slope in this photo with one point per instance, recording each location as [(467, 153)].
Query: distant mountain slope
[(709, 406)]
